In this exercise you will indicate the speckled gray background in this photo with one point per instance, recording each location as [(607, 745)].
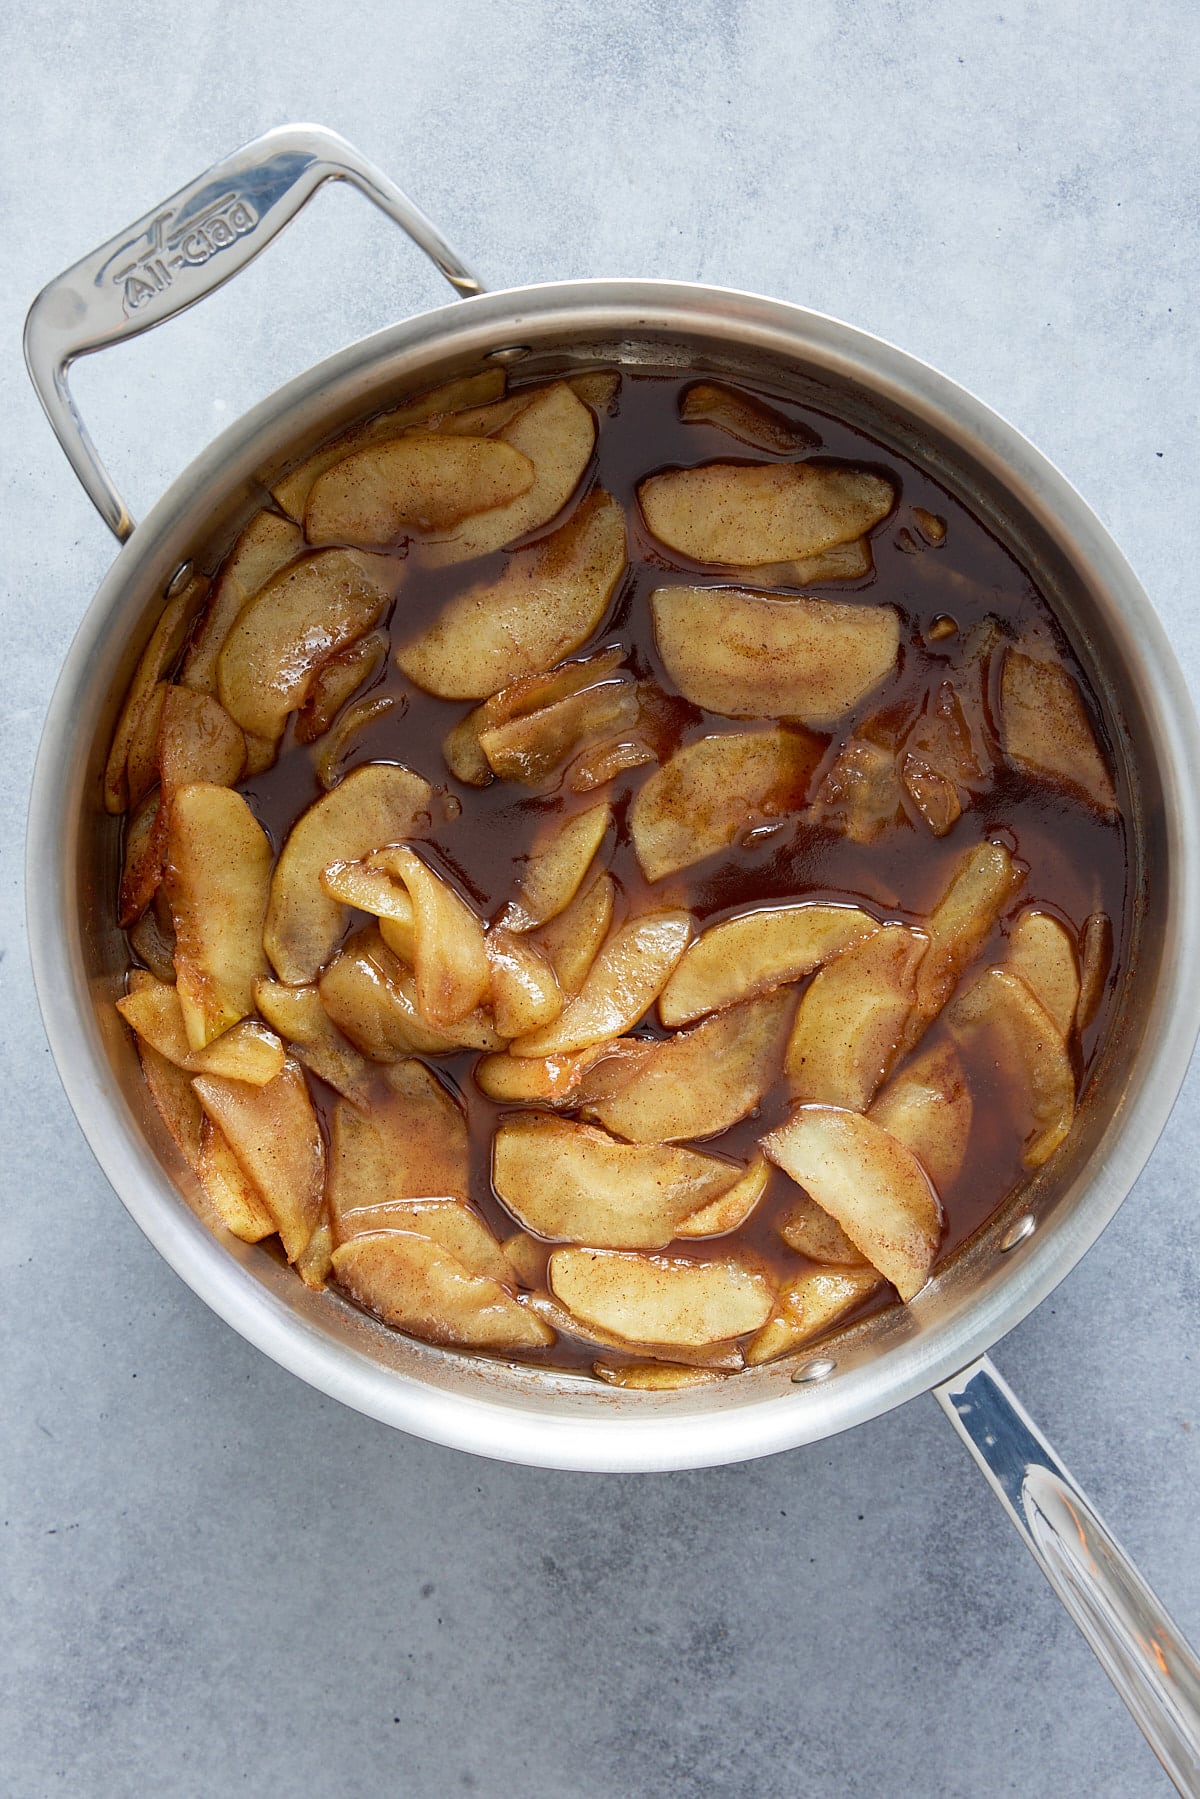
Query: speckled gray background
[(219, 1582)]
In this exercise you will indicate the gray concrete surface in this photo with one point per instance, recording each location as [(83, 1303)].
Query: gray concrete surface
[(219, 1582)]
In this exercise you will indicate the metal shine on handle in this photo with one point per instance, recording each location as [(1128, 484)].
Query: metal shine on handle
[(1147, 1659), (187, 248)]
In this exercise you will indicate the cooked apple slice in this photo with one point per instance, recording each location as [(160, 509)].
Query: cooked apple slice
[(336, 681), (758, 950), (151, 1009), (850, 1025), (266, 546), (810, 1231), (154, 945), (844, 562), (1040, 951), (1045, 729), (410, 1143), (428, 410), (533, 693), (548, 600), (331, 753), (141, 764), (557, 433), (959, 926), (709, 792), (749, 420), (661, 1299), (653, 1377), (450, 959), (198, 741), (527, 1258), (928, 1107), (481, 421), (145, 858), (573, 938), (724, 1357), (374, 805), (730, 1210), (1029, 1051), (597, 388), (746, 514), (557, 1080), (305, 614), (372, 998), (218, 871), (170, 1088), (572, 1182), (314, 1264), (1096, 960), (524, 993), (597, 766), (622, 984), (860, 795), (297, 1014), (748, 655), (247, 1051), (274, 1134), (701, 1081), (555, 870), (417, 1286), (810, 1304), (533, 748), (870, 1183), (233, 1195), (373, 890), (938, 761), (157, 657), (422, 483), (447, 1222)]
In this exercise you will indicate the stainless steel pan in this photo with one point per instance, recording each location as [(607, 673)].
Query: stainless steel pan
[(190, 245)]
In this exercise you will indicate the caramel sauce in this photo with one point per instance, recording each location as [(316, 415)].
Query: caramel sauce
[(1074, 858)]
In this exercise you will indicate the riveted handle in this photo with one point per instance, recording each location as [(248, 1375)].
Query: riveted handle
[(1144, 1654), (184, 249)]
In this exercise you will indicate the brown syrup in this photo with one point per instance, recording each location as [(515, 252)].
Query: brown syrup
[(1075, 860)]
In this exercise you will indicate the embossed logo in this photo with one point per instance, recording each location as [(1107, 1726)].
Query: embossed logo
[(163, 252)]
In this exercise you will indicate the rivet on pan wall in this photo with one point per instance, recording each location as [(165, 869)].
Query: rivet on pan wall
[(1017, 1233), (510, 353), (179, 580), (813, 1371)]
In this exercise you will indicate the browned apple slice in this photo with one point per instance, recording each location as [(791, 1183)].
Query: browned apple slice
[(730, 1210), (266, 546), (1030, 1053), (450, 959), (548, 600), (748, 655), (572, 940), (314, 1264), (291, 490), (535, 747), (574, 1183), (409, 1143), (850, 1025), (622, 984), (533, 693), (447, 1222), (1041, 953), (844, 562), (527, 1257), (746, 514), (597, 388), (557, 433), (870, 1183), (701, 1081), (758, 950), (424, 483), (151, 1008), (555, 871), (154, 944), (1045, 729), (749, 420), (810, 1231), (218, 870), (305, 614), (709, 792), (141, 764), (416, 1285), (661, 1299), (297, 1014), (156, 659), (959, 926), (145, 858), (198, 741), (558, 1080), (247, 1051), (938, 761), (372, 998), (860, 795), (372, 889), (274, 1134), (725, 1357), (1096, 960), (341, 741), (524, 992), (233, 1195), (653, 1377), (336, 681), (928, 1106), (810, 1304), (597, 766), (374, 805)]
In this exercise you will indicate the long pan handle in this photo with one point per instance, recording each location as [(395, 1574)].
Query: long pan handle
[(1146, 1657)]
